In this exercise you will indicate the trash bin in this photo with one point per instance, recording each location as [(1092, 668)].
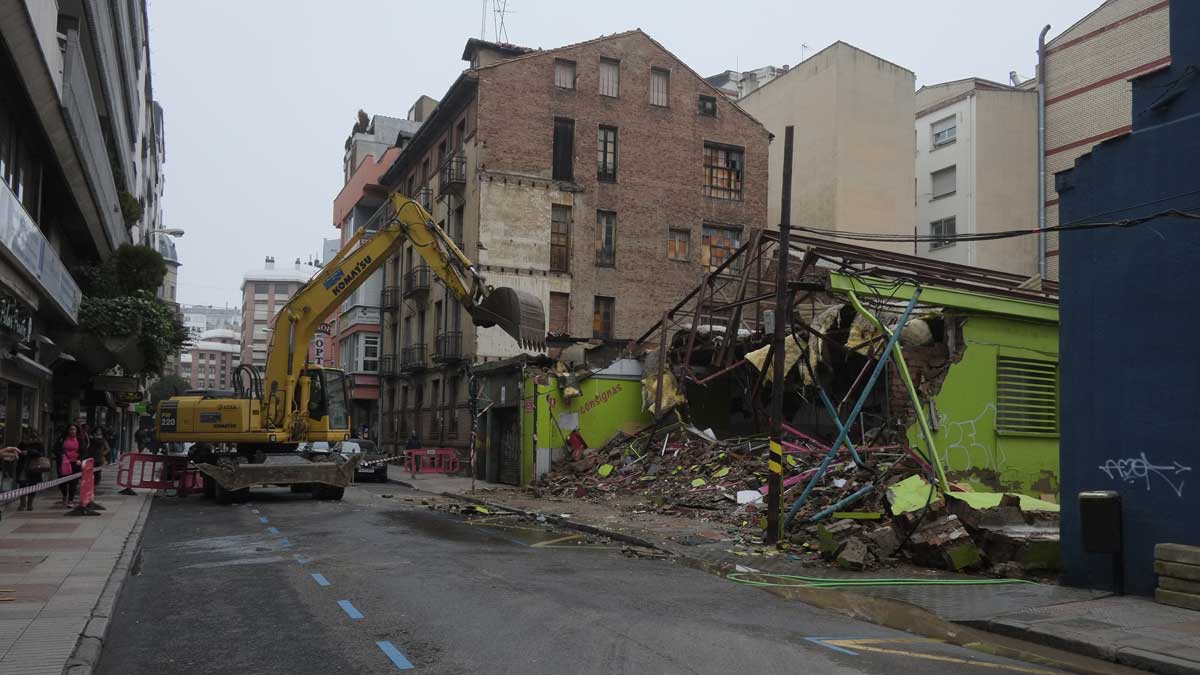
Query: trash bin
[(1100, 523)]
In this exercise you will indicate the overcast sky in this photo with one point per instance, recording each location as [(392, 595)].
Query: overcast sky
[(259, 95)]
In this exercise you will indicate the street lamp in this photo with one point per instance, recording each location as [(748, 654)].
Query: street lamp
[(169, 231)]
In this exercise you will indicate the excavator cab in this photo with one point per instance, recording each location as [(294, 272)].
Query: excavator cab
[(323, 395)]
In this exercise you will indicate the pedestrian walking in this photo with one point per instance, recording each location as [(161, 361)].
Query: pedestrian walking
[(98, 451), (141, 438), (414, 442), (8, 467), (68, 463), (33, 467)]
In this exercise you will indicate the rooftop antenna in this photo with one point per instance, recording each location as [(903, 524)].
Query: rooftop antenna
[(499, 9), (483, 21), (803, 46)]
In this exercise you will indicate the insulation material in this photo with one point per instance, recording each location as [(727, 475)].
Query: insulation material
[(822, 323), (792, 353), (671, 397)]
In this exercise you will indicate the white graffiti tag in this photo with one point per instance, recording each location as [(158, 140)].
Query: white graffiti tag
[(1134, 469), (962, 443)]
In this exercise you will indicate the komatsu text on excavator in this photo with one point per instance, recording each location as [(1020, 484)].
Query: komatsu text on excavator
[(264, 431)]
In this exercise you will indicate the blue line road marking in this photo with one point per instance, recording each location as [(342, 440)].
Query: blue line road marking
[(394, 654), (320, 579), (349, 609), (284, 543), (273, 530), (262, 519), (823, 643), (303, 560)]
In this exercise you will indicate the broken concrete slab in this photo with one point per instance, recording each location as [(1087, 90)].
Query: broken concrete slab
[(853, 554), (1177, 553), (944, 543), (1034, 547), (884, 541)]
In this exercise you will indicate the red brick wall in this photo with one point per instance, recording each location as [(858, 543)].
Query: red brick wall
[(660, 181)]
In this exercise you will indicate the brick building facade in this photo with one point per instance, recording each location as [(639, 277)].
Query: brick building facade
[(602, 177), (1088, 75)]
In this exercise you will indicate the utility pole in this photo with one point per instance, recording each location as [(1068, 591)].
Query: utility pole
[(782, 321)]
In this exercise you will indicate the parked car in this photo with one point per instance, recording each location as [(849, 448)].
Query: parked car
[(376, 472)]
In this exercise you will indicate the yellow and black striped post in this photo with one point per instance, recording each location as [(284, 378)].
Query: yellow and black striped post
[(783, 315)]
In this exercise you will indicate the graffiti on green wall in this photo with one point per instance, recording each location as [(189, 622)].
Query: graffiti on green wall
[(969, 445)]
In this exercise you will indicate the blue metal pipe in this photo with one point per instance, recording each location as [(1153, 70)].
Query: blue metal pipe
[(838, 421), (866, 490), (858, 405)]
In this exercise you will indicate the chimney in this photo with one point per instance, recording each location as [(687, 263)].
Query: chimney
[(297, 263), (270, 263)]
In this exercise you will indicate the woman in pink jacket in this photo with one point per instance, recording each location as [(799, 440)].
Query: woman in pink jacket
[(68, 463)]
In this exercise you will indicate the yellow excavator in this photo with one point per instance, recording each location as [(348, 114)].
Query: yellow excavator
[(265, 432)]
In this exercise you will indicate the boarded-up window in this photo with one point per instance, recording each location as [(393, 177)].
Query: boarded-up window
[(606, 239), (606, 154), (1026, 396), (660, 86), (943, 182), (717, 244), (560, 238), (945, 229), (602, 317), (560, 309), (610, 77), (678, 243), (723, 165), (564, 74), (564, 148)]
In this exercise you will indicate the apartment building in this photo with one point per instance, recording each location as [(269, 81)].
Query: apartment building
[(77, 142), (372, 147), (1087, 72), (264, 292), (853, 164), (201, 318), (607, 188), (976, 172), (209, 362), (738, 83)]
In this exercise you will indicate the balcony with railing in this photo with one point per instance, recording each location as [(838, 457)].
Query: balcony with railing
[(424, 197), (391, 298), (83, 121), (389, 365), (606, 256), (453, 175), (448, 348), (412, 359), (416, 281)]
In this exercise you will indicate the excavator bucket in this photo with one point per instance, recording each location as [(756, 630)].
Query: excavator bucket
[(520, 315)]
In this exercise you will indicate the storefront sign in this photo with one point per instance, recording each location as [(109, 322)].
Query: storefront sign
[(115, 383)]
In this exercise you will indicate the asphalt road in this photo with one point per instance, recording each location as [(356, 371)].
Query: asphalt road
[(286, 584)]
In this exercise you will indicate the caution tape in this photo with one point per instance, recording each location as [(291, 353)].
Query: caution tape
[(31, 489), (381, 460)]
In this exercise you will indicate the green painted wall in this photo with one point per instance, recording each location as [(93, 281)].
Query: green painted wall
[(605, 406), (970, 448)]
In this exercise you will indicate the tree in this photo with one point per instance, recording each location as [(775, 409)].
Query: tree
[(165, 387)]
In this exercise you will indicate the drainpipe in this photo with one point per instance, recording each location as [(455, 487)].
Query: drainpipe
[(1041, 150)]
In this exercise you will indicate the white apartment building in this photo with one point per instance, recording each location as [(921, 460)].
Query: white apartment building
[(976, 172), (264, 292)]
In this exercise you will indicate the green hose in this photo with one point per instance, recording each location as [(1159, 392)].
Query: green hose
[(826, 582)]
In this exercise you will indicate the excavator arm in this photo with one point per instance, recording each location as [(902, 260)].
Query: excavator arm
[(400, 219)]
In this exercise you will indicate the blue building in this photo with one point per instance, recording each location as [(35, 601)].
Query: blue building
[(1130, 399)]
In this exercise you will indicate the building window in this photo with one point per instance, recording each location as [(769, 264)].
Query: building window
[(261, 287), (717, 244), (944, 132), (370, 355), (723, 166), (678, 243), (560, 310), (944, 231), (943, 182), (281, 289), (660, 87), (708, 106), (610, 77), (560, 238), (606, 154), (602, 317), (564, 74), (1026, 396), (564, 148), (606, 239)]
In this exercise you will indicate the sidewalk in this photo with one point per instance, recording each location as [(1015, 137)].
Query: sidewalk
[(1126, 630), (59, 578)]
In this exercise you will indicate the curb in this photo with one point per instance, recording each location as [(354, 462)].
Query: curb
[(556, 520), (86, 655), (981, 636), (1128, 656)]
